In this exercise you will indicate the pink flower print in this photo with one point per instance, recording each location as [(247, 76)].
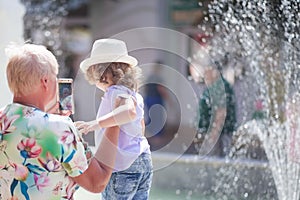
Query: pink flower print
[(6, 123), (67, 138), (57, 188), (50, 164), (70, 189), (6, 178), (28, 112), (21, 172), (41, 180), (79, 162), (259, 105), (28, 148)]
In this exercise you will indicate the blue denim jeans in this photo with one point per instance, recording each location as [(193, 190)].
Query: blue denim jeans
[(133, 183)]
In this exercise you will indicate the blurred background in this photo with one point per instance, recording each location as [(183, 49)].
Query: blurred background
[(165, 36), (69, 27)]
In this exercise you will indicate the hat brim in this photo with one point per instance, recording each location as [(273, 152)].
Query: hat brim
[(85, 64)]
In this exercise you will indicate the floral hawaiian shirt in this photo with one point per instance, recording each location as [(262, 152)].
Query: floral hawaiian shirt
[(39, 152)]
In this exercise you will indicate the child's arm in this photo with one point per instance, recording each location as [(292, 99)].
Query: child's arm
[(124, 112)]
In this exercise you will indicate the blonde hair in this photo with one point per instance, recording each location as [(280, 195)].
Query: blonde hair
[(122, 74), (27, 64)]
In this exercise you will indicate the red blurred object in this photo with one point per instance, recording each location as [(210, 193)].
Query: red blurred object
[(202, 39)]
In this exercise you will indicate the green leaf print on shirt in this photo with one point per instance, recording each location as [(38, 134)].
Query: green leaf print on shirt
[(49, 144)]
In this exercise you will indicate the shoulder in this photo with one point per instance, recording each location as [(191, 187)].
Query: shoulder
[(60, 122), (59, 119), (139, 97), (226, 83), (117, 90)]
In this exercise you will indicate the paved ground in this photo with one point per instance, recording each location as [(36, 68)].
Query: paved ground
[(155, 194), (82, 194)]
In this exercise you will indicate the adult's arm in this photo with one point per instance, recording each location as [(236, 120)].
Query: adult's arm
[(214, 131), (96, 177)]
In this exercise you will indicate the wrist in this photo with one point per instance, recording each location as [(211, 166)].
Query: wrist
[(98, 123)]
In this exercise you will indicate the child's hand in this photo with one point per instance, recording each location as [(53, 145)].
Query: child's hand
[(86, 127)]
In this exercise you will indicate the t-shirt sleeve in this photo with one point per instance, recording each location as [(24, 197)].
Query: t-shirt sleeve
[(109, 99)]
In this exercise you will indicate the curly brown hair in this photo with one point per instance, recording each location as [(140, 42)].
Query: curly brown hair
[(122, 74)]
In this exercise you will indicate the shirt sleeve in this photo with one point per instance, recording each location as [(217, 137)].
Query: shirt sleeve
[(109, 98), (74, 159)]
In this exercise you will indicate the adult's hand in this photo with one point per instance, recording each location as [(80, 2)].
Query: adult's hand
[(55, 110)]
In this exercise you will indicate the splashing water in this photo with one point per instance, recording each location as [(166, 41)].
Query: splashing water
[(43, 23), (261, 37)]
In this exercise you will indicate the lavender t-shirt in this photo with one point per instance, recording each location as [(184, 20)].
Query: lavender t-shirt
[(132, 141)]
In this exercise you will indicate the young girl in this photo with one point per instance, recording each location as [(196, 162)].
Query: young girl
[(113, 71)]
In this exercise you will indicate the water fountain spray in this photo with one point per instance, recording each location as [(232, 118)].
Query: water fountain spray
[(262, 36)]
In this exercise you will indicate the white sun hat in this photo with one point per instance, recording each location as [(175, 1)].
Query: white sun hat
[(107, 51)]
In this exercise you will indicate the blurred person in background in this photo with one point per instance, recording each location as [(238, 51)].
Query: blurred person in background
[(156, 96), (217, 109)]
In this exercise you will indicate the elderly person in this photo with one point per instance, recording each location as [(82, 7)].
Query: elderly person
[(42, 154)]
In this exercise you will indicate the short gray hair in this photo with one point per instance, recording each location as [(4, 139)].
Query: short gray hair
[(27, 64)]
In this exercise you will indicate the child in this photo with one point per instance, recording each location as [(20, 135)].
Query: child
[(113, 71)]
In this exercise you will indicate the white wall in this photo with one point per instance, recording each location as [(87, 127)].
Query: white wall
[(11, 23)]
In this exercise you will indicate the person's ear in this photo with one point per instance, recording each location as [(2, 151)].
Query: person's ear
[(44, 82)]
